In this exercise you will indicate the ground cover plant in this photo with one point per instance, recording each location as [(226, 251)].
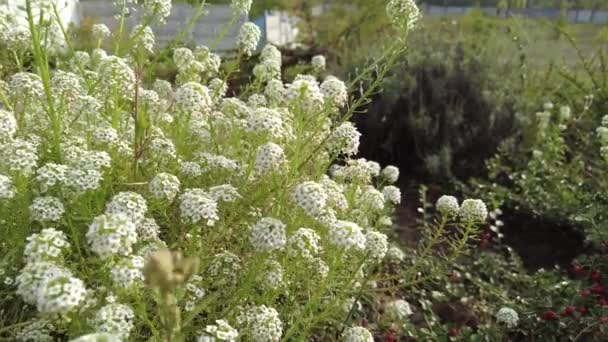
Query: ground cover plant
[(137, 209)]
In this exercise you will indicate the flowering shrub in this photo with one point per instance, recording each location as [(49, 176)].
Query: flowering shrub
[(276, 229)]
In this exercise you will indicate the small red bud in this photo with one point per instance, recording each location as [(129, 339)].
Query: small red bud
[(453, 332), (597, 289), (568, 311), (596, 276), (583, 310), (578, 269), (549, 315)]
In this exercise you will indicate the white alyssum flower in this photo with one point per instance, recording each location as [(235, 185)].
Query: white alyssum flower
[(447, 205), (148, 230), (395, 254), (39, 330), (60, 294), (311, 197), (220, 331), (8, 124), (46, 208), (130, 204), (116, 319), (508, 317), (390, 173), (193, 98), (101, 31), (347, 235), (224, 268), (260, 324), (274, 91), (97, 337), (224, 193), (268, 234), (473, 211), (197, 205), (248, 38), (33, 276), (398, 310), (335, 92), (392, 194), (158, 9), (318, 62), (7, 189), (48, 245), (128, 271), (305, 244), (111, 234), (345, 139), (376, 245), (241, 6), (371, 199), (164, 186), (357, 334), (404, 14), (269, 158), (271, 278)]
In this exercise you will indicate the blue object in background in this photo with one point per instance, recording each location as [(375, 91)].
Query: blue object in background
[(260, 22)]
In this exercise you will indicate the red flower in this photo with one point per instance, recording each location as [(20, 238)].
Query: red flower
[(596, 276), (453, 332), (583, 310), (549, 315), (578, 269), (390, 337), (568, 311), (597, 289)]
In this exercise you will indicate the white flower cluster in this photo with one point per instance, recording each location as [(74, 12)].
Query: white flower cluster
[(129, 204), (472, 211), (197, 205), (602, 135), (404, 14), (128, 271), (376, 245), (224, 268), (357, 334), (241, 6), (46, 208), (398, 310), (135, 166), (305, 244), (269, 70), (347, 235), (116, 319), (311, 197), (508, 317), (164, 186), (248, 38), (48, 245), (268, 234), (7, 189), (447, 205), (220, 331), (111, 234), (260, 324)]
